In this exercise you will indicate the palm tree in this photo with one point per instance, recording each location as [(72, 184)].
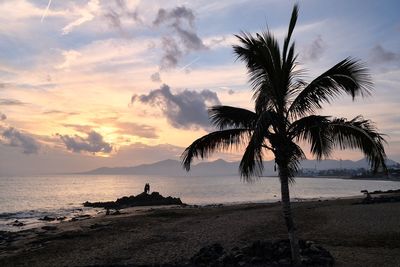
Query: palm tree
[(285, 113)]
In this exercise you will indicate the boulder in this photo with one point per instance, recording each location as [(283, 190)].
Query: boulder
[(208, 255), (47, 219), (17, 223), (262, 253), (143, 199)]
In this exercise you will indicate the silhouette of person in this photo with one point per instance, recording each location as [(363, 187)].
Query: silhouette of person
[(146, 188)]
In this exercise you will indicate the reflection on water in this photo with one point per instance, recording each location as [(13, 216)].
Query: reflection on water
[(68, 192), (49, 192)]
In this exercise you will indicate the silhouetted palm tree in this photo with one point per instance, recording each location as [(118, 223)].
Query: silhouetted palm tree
[(284, 114)]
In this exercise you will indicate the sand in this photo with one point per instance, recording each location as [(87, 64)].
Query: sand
[(356, 235)]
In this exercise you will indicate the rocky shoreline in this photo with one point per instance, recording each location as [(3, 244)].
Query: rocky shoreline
[(143, 199), (189, 236)]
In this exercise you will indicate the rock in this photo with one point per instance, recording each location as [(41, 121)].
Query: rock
[(81, 217), (49, 227), (285, 262), (17, 223), (241, 263), (47, 219), (143, 199), (207, 255), (256, 260), (238, 256), (314, 249), (262, 253), (306, 260), (117, 212)]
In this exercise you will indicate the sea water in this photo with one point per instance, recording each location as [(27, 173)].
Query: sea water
[(27, 199)]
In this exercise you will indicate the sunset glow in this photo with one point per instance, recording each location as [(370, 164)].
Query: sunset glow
[(86, 84)]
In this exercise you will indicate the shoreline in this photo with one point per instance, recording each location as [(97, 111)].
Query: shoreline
[(82, 212), (147, 235), (91, 213)]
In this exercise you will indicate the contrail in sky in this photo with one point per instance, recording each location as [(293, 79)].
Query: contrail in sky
[(45, 12), (190, 63)]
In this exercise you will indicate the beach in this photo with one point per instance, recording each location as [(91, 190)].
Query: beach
[(355, 234)]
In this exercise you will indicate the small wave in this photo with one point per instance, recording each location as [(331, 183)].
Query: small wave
[(32, 218)]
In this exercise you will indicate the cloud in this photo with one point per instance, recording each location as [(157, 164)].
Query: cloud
[(56, 111), (93, 143), (378, 54), (121, 127), (15, 138), (118, 12), (185, 109), (86, 14), (10, 102), (183, 39), (135, 129), (172, 53), (59, 161), (4, 85), (176, 15), (70, 59), (191, 40), (155, 77), (113, 19), (314, 50), (79, 128)]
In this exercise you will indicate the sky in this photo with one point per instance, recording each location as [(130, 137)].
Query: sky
[(92, 83)]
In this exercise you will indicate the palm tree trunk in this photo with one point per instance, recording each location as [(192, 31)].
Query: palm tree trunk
[(287, 214)]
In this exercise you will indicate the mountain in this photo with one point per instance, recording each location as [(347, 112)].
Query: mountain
[(221, 167), (173, 168)]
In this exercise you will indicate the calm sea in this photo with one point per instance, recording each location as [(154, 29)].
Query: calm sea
[(29, 198)]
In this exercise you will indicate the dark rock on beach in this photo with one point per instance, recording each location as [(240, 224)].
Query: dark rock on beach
[(262, 253), (17, 223), (143, 199), (381, 196), (47, 219), (49, 227), (81, 217)]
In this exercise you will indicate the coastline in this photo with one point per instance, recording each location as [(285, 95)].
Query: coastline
[(147, 235), (343, 178), (16, 224)]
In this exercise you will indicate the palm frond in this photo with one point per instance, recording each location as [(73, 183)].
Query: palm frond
[(348, 76), (296, 155), (262, 99), (231, 117), (261, 54), (360, 134), (292, 24), (325, 134), (314, 129), (251, 163), (212, 142)]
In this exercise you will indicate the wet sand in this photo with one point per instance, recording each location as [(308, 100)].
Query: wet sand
[(356, 235)]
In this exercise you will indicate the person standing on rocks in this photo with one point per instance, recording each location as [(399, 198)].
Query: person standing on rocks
[(147, 188)]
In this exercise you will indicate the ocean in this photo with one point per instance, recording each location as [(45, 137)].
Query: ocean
[(29, 198)]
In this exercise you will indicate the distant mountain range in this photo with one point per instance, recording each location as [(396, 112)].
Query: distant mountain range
[(220, 167)]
